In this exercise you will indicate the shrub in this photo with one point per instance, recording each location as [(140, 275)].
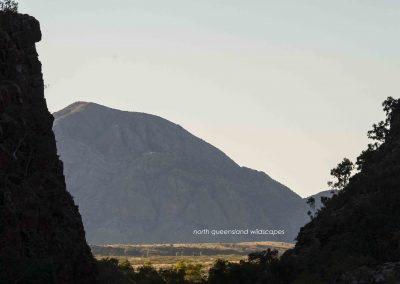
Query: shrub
[(9, 6)]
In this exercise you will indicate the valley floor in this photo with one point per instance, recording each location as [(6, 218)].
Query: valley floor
[(167, 255)]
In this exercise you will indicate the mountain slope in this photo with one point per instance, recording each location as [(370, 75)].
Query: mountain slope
[(140, 178)]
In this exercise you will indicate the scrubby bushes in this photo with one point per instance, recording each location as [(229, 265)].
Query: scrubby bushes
[(112, 270), (9, 6)]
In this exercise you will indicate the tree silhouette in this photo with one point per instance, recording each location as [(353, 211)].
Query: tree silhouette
[(311, 203), (342, 173), (379, 132), (264, 257), (9, 6)]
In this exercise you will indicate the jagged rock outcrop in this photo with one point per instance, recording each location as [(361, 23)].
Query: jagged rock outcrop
[(42, 239), (141, 178)]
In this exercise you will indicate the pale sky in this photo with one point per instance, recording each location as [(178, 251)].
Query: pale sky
[(288, 87)]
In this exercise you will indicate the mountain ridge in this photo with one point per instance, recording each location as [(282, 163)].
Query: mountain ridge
[(174, 181)]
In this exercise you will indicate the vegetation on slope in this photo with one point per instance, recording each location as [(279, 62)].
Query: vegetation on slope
[(361, 225)]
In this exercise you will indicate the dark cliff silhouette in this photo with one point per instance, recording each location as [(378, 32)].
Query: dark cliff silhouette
[(42, 239)]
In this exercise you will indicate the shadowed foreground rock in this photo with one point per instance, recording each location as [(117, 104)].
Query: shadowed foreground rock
[(42, 239), (385, 273)]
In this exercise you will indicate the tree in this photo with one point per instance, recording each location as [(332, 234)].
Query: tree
[(9, 6), (379, 132), (342, 173), (311, 203), (264, 257), (193, 272)]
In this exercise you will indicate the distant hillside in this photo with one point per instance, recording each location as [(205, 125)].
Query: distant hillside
[(140, 178)]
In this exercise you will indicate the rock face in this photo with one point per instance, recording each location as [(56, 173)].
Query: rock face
[(140, 178), (42, 239)]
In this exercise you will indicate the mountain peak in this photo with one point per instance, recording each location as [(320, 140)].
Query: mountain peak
[(72, 108), (140, 178)]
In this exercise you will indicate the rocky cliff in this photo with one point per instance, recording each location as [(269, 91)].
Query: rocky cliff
[(42, 239), (140, 178)]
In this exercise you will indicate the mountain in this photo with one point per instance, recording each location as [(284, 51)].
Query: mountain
[(42, 239), (140, 178)]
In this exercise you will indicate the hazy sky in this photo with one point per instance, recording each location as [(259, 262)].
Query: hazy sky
[(286, 87)]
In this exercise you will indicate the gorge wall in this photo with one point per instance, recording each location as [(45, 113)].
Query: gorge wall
[(41, 233)]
